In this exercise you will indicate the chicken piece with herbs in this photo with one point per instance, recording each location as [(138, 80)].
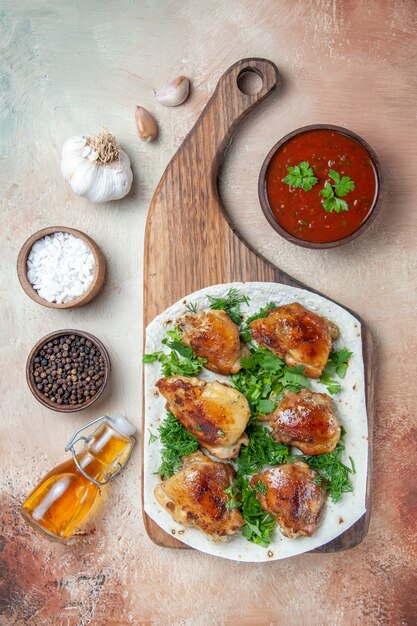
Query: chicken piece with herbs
[(214, 413), (297, 335), (213, 335), (195, 496), (292, 496), (305, 420)]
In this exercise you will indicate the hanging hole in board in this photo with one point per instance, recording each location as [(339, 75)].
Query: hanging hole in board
[(250, 81)]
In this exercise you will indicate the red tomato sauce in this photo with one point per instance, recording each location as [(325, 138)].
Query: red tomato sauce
[(301, 213)]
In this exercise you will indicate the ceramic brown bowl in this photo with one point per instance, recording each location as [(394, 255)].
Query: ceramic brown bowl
[(263, 195), (99, 268), (44, 399)]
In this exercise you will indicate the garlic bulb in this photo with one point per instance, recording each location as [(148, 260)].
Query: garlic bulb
[(96, 167), (146, 124), (174, 93)]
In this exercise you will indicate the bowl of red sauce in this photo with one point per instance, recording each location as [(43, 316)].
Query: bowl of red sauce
[(320, 186)]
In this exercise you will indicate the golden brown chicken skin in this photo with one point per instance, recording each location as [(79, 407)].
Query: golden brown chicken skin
[(292, 497), (195, 496), (305, 420), (213, 335), (297, 335), (214, 413)]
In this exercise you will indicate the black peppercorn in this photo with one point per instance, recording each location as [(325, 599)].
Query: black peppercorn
[(69, 370)]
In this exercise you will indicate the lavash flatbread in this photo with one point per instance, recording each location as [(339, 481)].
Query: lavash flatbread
[(350, 407)]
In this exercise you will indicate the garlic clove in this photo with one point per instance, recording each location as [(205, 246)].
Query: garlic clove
[(174, 93), (146, 124)]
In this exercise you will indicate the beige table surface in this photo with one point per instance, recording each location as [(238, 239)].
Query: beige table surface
[(71, 67)]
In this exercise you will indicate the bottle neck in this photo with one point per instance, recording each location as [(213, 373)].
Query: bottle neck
[(105, 449)]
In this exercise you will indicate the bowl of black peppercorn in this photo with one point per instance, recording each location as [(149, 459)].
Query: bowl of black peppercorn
[(68, 370)]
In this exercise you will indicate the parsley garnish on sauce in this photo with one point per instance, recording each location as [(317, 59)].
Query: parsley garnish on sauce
[(332, 193), (301, 175)]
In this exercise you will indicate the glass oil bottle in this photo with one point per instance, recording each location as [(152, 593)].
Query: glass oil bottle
[(66, 494)]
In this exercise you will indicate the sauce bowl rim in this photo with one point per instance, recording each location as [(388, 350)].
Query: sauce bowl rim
[(263, 194)]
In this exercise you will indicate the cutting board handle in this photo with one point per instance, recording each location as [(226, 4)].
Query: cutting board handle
[(226, 108)]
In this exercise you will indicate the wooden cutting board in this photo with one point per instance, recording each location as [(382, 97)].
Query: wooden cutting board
[(190, 243)]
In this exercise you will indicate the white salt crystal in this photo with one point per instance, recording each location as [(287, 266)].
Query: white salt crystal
[(32, 276), (60, 267), (38, 245)]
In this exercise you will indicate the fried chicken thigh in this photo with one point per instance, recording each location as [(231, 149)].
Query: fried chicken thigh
[(306, 420), (213, 335), (195, 496), (297, 335), (214, 413), (292, 497)]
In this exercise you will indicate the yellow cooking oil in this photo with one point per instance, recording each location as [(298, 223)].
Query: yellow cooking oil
[(64, 497)]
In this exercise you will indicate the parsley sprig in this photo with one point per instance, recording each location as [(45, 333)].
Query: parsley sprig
[(342, 184), (181, 360), (337, 363), (332, 474), (263, 377), (332, 193), (258, 524), (301, 175), (230, 304)]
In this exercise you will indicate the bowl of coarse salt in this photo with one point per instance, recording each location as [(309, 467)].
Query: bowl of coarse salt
[(61, 267)]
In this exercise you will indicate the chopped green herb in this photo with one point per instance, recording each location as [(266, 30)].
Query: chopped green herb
[(258, 524), (152, 437), (176, 343), (150, 358), (260, 487), (340, 360), (177, 442), (333, 475), (180, 361), (174, 334), (230, 304), (245, 333), (337, 363), (263, 378), (332, 385), (294, 379), (266, 406), (301, 175), (220, 433), (199, 427), (262, 450), (191, 307), (234, 494)]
